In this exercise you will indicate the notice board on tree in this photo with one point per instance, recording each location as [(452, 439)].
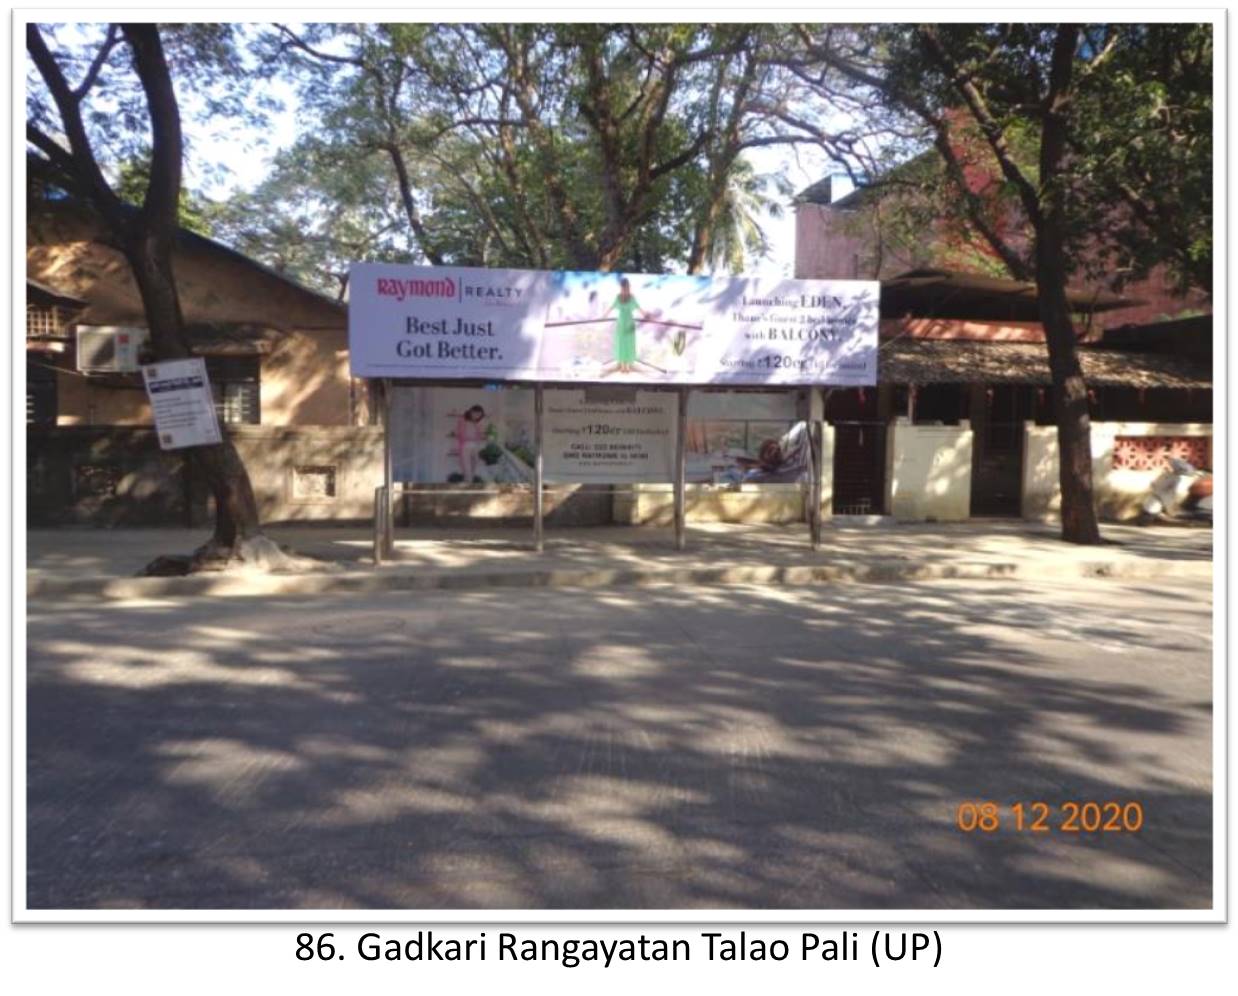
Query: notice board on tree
[(181, 400), (460, 323)]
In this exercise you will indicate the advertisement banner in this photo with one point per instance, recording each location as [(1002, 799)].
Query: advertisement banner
[(610, 442), (181, 401), (466, 435), (745, 437), (480, 436), (457, 323)]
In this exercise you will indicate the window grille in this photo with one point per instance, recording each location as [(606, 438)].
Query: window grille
[(236, 386), (42, 321), (1153, 452)]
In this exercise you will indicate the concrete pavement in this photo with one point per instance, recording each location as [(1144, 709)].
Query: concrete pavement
[(103, 562), (708, 748)]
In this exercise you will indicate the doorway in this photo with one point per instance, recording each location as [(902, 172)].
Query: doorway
[(998, 413)]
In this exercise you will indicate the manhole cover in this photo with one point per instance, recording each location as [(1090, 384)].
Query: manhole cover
[(351, 629)]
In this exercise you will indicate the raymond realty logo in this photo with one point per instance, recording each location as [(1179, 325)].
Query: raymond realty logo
[(496, 294), (401, 289)]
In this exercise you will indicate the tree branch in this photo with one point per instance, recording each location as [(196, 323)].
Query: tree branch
[(162, 200), (83, 157), (989, 126), (92, 74)]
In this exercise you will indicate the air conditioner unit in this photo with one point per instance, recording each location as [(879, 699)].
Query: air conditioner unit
[(109, 348)]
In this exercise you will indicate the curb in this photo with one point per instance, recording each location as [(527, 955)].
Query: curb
[(378, 580)]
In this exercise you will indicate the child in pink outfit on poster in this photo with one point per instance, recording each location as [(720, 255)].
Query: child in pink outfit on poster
[(470, 437)]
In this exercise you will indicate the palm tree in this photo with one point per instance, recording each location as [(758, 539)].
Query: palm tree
[(739, 236)]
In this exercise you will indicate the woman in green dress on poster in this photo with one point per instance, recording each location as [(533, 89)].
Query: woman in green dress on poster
[(625, 326)]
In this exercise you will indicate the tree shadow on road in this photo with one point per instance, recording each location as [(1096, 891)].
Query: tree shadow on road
[(779, 748)]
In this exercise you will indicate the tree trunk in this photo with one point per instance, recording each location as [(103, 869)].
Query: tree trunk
[(149, 244), (219, 466), (147, 239), (1070, 394), (707, 223)]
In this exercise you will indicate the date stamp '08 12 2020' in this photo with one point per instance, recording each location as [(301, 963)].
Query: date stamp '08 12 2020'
[(1041, 817)]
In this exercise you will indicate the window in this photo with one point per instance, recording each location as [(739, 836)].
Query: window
[(236, 385), (313, 483), (46, 321), (40, 394)]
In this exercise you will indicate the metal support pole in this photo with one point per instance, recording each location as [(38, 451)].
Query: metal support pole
[(816, 432), (388, 474), (380, 523), (539, 532), (681, 448)]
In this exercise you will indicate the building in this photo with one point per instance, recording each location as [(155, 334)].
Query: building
[(276, 352), (961, 424)]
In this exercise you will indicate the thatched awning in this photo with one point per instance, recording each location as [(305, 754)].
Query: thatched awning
[(954, 361)]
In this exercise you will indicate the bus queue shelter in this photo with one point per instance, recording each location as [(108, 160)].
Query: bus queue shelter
[(600, 370)]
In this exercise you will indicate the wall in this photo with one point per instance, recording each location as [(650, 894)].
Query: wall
[(830, 246), (1118, 492), (305, 380), (930, 472), (351, 455), (111, 476), (103, 477), (562, 505), (85, 401), (654, 504)]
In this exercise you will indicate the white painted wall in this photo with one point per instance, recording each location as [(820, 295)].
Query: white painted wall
[(930, 472), (1118, 492)]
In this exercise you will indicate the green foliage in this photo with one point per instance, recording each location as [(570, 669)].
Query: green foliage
[(317, 212), (194, 213), (548, 146), (216, 77), (1143, 148), (1134, 181)]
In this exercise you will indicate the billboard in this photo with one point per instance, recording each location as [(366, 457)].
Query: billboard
[(461, 323)]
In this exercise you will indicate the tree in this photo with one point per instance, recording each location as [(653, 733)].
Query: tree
[(1033, 107), (548, 146), (65, 154), (316, 213), (194, 214), (734, 234), (1143, 147)]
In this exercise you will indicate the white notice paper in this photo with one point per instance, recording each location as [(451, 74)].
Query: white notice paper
[(180, 397)]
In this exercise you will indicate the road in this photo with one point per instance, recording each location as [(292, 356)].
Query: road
[(723, 747)]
